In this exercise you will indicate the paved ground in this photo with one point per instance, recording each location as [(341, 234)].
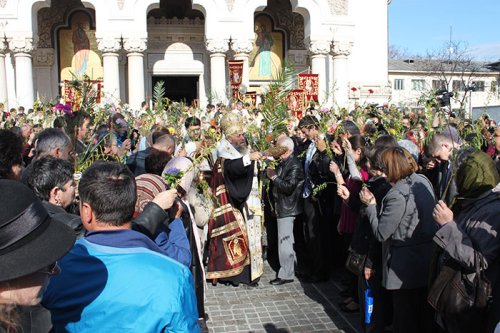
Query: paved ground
[(293, 307)]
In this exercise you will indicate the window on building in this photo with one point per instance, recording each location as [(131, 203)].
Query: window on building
[(458, 85), (399, 84), (439, 85), (494, 86), (418, 85), (478, 85)]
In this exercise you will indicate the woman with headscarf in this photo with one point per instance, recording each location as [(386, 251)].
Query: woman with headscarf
[(172, 239), (183, 169), (468, 232)]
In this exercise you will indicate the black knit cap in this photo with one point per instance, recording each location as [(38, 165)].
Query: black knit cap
[(29, 239)]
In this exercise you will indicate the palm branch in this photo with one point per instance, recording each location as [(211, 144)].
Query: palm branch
[(275, 109), (158, 93)]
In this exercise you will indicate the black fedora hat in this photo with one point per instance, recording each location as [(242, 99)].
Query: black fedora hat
[(29, 239)]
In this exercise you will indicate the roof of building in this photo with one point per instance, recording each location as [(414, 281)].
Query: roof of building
[(424, 65)]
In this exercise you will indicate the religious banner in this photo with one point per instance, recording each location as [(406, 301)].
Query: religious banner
[(296, 102), (235, 76), (73, 97), (235, 71), (251, 98), (310, 84)]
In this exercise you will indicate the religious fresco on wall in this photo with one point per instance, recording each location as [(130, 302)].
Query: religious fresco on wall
[(78, 53), (266, 57)]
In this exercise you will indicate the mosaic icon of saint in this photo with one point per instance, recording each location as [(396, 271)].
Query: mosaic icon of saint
[(264, 41), (81, 48)]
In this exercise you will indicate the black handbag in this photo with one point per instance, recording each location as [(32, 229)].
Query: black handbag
[(355, 262), (453, 293)]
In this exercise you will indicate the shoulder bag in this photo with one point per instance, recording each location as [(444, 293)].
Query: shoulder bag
[(453, 293)]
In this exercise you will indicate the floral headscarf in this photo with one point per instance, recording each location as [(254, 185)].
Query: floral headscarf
[(148, 187)]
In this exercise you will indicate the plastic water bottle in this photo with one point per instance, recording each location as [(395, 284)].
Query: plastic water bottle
[(368, 304)]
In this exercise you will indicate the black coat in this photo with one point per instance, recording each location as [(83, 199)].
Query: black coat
[(319, 173), (363, 241), (439, 178), (287, 187), (238, 179), (137, 162), (58, 213)]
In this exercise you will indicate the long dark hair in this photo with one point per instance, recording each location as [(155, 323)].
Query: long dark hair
[(359, 142)]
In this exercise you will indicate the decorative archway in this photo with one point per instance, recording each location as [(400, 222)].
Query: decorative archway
[(76, 43), (176, 48), (267, 56)]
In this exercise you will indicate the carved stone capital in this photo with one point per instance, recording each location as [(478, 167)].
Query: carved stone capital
[(109, 45), (341, 49), (320, 47), (3, 46), (217, 45), (21, 45), (135, 44), (242, 45), (230, 5), (338, 7), (43, 57)]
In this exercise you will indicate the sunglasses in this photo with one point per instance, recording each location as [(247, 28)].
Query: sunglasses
[(49, 270)]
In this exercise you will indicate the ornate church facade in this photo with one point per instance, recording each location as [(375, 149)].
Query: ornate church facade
[(129, 45)]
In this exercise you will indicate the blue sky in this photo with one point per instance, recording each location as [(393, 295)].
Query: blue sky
[(421, 25)]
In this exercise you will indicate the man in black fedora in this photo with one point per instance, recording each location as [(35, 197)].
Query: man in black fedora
[(30, 245)]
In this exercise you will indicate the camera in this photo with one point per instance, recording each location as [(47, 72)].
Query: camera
[(443, 97)]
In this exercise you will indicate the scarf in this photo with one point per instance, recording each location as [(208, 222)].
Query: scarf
[(148, 187), (476, 175)]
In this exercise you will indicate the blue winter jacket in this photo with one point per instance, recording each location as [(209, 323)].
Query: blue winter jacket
[(119, 281)]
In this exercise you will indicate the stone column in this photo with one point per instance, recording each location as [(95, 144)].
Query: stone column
[(3, 75), (218, 49), (22, 48), (135, 48), (110, 57), (319, 50), (202, 94), (242, 49), (43, 60), (341, 51)]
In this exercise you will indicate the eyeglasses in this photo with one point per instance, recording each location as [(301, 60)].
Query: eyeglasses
[(49, 270)]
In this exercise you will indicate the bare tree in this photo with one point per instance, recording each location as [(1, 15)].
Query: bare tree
[(396, 52), (454, 68)]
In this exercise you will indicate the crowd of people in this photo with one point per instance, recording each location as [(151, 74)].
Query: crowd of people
[(131, 223)]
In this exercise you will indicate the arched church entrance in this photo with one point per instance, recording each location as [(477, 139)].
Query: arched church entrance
[(67, 48), (278, 40), (182, 88), (176, 52)]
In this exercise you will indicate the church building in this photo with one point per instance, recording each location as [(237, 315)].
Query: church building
[(126, 46)]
